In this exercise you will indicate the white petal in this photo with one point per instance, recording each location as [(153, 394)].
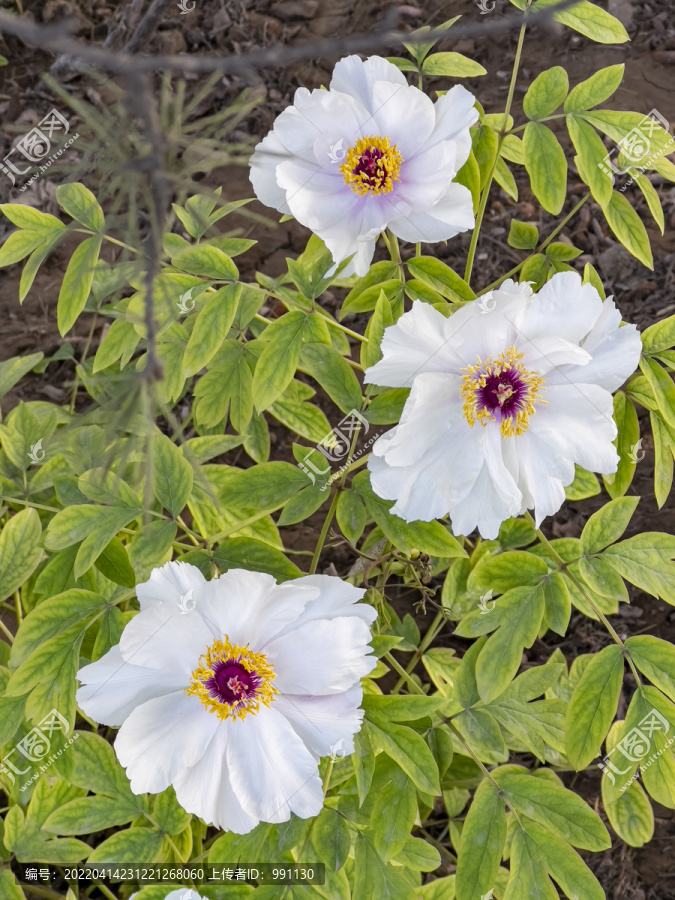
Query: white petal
[(540, 474), (325, 656), (577, 423), (170, 582), (563, 307), (112, 688), (272, 772), (455, 113), (452, 214), (250, 607), (355, 77), (494, 496), (404, 114), (361, 262), (323, 723), (421, 341), (205, 789), (544, 353), (615, 352), (336, 598), (266, 157), (162, 737), (160, 637), (424, 178)]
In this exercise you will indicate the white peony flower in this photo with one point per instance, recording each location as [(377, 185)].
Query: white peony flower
[(234, 701), (371, 153), (502, 405)]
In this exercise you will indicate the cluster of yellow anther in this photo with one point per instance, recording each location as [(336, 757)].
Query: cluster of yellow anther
[(372, 166), (529, 384), (253, 662)]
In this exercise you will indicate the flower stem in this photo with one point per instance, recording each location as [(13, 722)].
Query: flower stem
[(486, 190), (324, 531), (434, 628), (397, 667)]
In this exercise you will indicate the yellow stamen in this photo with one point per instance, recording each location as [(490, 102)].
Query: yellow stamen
[(383, 170), (477, 378), (252, 662)]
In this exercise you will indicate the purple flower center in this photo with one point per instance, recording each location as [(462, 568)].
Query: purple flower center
[(231, 682), (372, 166), (502, 392)]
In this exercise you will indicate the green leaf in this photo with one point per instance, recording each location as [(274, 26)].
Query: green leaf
[(440, 277), (521, 613), (381, 319), (589, 20), (628, 228), (485, 146), (409, 750), (555, 807), (227, 386), (590, 159), (264, 487), (333, 373), (482, 844), (172, 474), (408, 708), (627, 445), (373, 878), (12, 370), (54, 616), (643, 560), (628, 808), (522, 235), (279, 359), (79, 202), (585, 485), (256, 556), (86, 815), (596, 89), (76, 284), (114, 564), (9, 889), (351, 515), (655, 658), (546, 165), (655, 339), (419, 855), (545, 94), (208, 261), (504, 571), (20, 552), (607, 525), (453, 65), (662, 385), (120, 340), (331, 839), (593, 706), (18, 245), (128, 846), (563, 864), (528, 877), (664, 448), (652, 198), (394, 809), (469, 176), (386, 408), (380, 275), (211, 328), (31, 219)]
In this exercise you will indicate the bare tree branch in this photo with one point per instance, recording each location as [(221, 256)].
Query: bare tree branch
[(56, 39)]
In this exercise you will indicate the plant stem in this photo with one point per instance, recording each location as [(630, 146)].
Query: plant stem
[(324, 531), (538, 249), (397, 667), (326, 777), (486, 190), (8, 633), (434, 628), (601, 616)]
